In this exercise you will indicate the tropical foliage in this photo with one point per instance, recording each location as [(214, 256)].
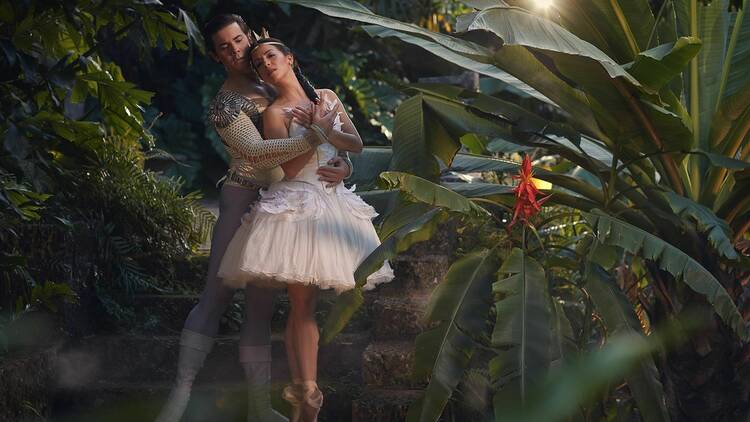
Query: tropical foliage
[(77, 207), (646, 109)]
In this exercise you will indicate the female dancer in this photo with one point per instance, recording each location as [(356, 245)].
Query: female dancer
[(234, 113), (302, 234)]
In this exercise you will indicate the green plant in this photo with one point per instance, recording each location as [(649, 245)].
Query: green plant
[(75, 141), (646, 124)]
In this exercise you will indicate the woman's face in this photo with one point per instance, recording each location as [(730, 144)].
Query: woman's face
[(271, 64), (231, 48)]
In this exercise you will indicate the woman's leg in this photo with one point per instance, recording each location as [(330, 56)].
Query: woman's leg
[(304, 335), (255, 354), (202, 323)]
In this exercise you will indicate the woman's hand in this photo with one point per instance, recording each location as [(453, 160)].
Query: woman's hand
[(335, 172), (317, 115)]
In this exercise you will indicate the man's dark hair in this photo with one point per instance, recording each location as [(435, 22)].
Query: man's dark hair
[(216, 24)]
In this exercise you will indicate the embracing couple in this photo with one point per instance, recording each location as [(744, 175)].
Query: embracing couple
[(285, 218)]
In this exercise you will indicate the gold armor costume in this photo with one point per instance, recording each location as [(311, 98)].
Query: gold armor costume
[(254, 160)]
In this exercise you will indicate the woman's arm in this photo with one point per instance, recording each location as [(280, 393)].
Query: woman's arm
[(275, 126), (348, 138)]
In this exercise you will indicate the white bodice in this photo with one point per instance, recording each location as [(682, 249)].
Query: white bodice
[(323, 153)]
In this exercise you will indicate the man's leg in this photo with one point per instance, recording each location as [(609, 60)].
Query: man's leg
[(202, 323)]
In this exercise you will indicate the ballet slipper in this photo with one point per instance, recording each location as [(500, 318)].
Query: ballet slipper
[(293, 395), (312, 401)]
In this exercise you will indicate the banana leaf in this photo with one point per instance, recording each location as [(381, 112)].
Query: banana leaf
[(522, 329), (418, 230), (460, 305), (431, 193), (620, 319), (658, 66), (716, 229), (567, 388), (460, 60), (612, 231)]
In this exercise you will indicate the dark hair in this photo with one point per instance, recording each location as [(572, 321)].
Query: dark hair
[(217, 23), (301, 78)]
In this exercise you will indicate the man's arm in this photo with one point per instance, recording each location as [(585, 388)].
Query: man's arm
[(237, 131)]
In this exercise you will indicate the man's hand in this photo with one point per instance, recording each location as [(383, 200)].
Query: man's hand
[(335, 172)]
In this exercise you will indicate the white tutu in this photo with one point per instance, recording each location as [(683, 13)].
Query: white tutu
[(302, 232)]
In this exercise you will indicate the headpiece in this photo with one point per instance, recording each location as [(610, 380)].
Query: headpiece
[(264, 38)]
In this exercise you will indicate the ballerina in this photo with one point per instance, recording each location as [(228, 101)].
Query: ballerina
[(302, 234), (234, 113)]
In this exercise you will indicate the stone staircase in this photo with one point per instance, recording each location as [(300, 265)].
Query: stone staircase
[(365, 372), (389, 387), (126, 377)]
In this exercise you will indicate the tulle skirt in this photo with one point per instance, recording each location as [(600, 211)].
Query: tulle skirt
[(303, 233)]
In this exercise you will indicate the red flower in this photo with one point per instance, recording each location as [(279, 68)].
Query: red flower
[(526, 204)]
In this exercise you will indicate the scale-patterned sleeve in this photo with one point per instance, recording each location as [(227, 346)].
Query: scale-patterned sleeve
[(228, 115)]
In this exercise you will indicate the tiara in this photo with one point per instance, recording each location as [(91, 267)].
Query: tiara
[(263, 38), (254, 37)]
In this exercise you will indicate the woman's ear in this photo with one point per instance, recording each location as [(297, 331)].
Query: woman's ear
[(213, 57)]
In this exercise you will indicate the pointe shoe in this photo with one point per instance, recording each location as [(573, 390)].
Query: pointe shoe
[(194, 347), (256, 361), (312, 401), (293, 395)]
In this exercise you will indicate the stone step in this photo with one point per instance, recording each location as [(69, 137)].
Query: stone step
[(210, 402), (390, 364), (166, 313), (416, 274), (143, 358), (399, 317), (375, 405)]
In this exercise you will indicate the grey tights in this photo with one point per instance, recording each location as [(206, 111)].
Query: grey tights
[(205, 316)]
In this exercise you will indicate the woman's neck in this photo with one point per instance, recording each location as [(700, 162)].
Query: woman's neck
[(290, 91)]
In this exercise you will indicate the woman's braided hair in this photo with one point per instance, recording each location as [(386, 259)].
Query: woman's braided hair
[(303, 81)]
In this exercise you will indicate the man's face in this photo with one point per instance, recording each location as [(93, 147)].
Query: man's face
[(231, 47)]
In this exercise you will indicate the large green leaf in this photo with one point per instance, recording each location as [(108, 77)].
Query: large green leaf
[(411, 144), (620, 319), (458, 59), (635, 20), (656, 67), (568, 388), (522, 328), (730, 121), (715, 228), (429, 127), (431, 193), (417, 230), (348, 9), (515, 60), (597, 22), (474, 163), (460, 305), (506, 112), (736, 73), (646, 126), (368, 165), (516, 26), (612, 231)]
